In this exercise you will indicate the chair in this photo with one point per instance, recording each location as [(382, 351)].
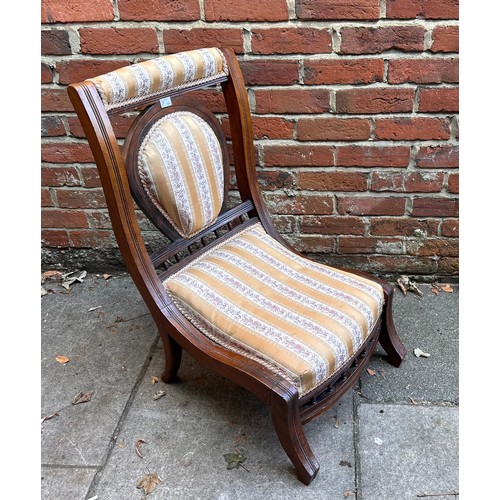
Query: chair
[(226, 287)]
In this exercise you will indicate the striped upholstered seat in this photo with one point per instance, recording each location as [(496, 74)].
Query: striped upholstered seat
[(302, 319)]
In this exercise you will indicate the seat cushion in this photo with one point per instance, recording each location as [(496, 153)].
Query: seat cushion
[(302, 319)]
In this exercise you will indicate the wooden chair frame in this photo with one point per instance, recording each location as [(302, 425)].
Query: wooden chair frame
[(289, 411)]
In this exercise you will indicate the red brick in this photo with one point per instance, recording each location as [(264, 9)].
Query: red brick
[(77, 70), (437, 157), (298, 156), (438, 100), (100, 219), (265, 127), (445, 39), (434, 246), (299, 205), (265, 72), (312, 244), (45, 198), (235, 10), (118, 41), (338, 9), (159, 10), (427, 9), (370, 205), (55, 42), (92, 239), (332, 225), (333, 129), (435, 70), (271, 180), (198, 38), (403, 226), (378, 100), (453, 183), (450, 228), (52, 126), (55, 238), (449, 265), (211, 99), (81, 198), (373, 156), (66, 152), (387, 181), (428, 182), (55, 100), (343, 71), (285, 224), (56, 218), (46, 74), (292, 101), (367, 40), (60, 176), (349, 245), (90, 176), (411, 129), (291, 40), (121, 125), (70, 11), (435, 207), (332, 181)]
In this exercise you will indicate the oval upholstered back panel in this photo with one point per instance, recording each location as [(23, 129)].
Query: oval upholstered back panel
[(181, 168)]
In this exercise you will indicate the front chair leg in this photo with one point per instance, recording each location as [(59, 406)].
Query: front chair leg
[(288, 427), (173, 356), (389, 339)]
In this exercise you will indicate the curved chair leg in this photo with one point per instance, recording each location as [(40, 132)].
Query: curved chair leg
[(173, 356), (288, 427), (389, 339)]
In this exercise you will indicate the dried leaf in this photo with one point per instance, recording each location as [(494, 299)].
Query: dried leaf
[(348, 493), (154, 379), (106, 276), (52, 275), (62, 359), (235, 460), (48, 417), (345, 463), (148, 483), (419, 353), (94, 308), (158, 395), (44, 292), (137, 444), (371, 372), (83, 397), (69, 281), (435, 290), (447, 288)]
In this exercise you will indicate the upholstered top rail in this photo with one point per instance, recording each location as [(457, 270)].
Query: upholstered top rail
[(134, 83)]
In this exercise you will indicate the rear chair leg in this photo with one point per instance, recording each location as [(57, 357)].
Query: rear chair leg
[(173, 356)]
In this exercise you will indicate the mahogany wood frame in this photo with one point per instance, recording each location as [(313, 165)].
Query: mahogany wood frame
[(289, 411)]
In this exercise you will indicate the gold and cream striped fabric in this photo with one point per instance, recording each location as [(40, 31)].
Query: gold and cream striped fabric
[(156, 76), (181, 168), (302, 319)]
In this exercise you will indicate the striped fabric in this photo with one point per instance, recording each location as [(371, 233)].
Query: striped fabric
[(302, 319), (156, 76), (181, 168)]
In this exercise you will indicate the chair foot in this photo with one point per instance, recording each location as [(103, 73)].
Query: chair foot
[(389, 339), (289, 428), (173, 356)]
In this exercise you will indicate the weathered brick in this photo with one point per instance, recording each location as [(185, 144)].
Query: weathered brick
[(435, 70), (90, 176), (438, 100), (448, 265), (56, 218), (389, 226), (285, 224), (66, 152), (159, 10), (434, 246), (266, 127), (343, 71), (80, 198), (368, 40), (71, 11), (373, 156), (378, 100), (266, 72), (410, 129), (299, 205), (54, 238), (298, 156), (435, 207), (328, 224), (445, 39), (52, 126), (350, 205), (291, 40), (177, 40), (338, 9), (99, 219), (55, 42), (77, 70), (445, 156), (387, 181), (291, 101), (271, 180), (312, 244), (427, 9), (401, 264), (46, 198), (55, 100), (46, 73), (118, 40), (419, 182), (333, 129), (355, 245), (235, 10), (450, 228), (332, 181), (92, 239), (453, 183), (60, 176)]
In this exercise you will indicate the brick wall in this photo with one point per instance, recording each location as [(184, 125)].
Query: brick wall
[(355, 113)]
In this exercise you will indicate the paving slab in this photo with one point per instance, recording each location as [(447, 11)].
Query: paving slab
[(408, 450), (66, 482)]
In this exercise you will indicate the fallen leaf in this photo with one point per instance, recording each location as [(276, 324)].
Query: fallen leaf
[(48, 417), (69, 281), (370, 371), (148, 483), (154, 379), (419, 353), (235, 460), (106, 276), (62, 359), (137, 444), (435, 290), (55, 275), (158, 395), (121, 445), (345, 463), (348, 493), (447, 288), (83, 397), (336, 424), (94, 308)]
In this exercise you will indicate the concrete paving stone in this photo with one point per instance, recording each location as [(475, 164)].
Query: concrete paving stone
[(102, 358), (66, 483), (408, 450), (431, 324), (202, 417)]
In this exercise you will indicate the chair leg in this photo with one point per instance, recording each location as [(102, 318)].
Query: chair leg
[(389, 339), (290, 431), (173, 356)]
